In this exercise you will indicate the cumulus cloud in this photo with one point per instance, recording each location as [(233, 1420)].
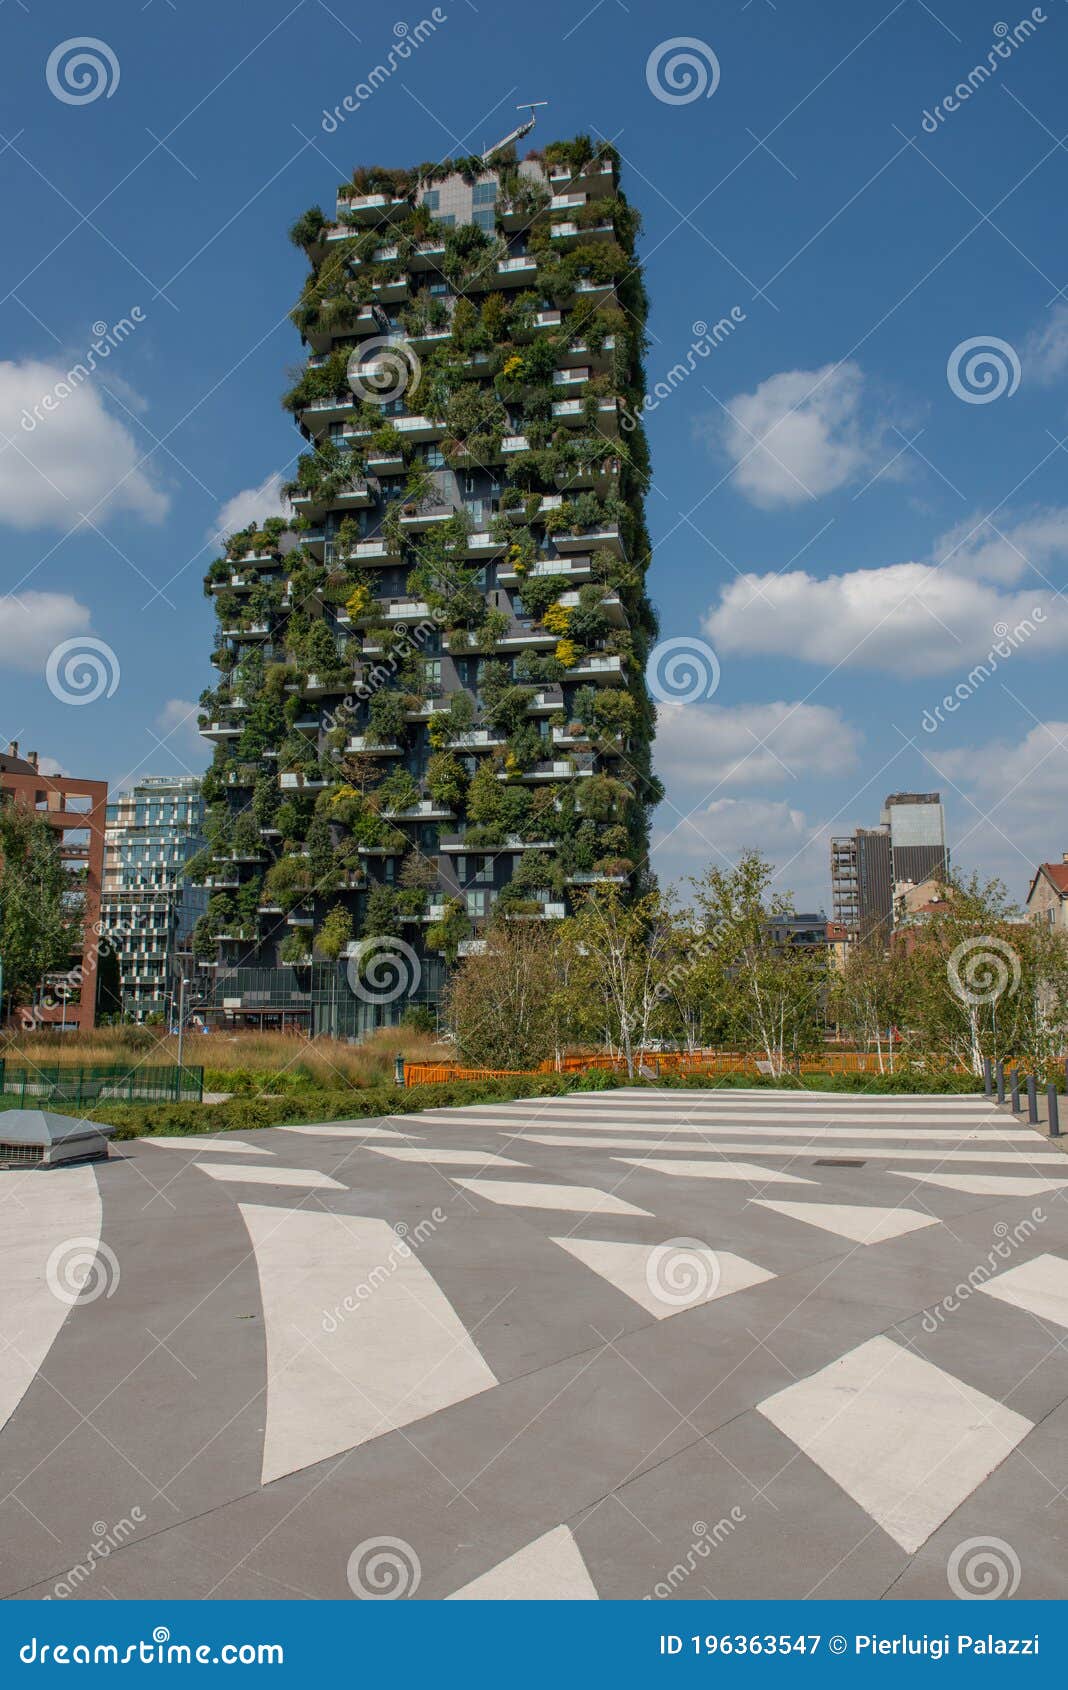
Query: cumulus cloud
[(177, 723), (252, 504), (751, 744), (32, 624), (1009, 796), (1035, 766), (720, 832), (1045, 352), (1035, 542), (798, 435), (69, 460), (908, 619)]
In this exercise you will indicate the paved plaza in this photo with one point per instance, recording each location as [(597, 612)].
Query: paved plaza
[(730, 1344)]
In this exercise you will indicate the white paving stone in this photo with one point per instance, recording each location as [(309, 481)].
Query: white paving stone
[(714, 1168), (198, 1142), (1040, 1286), (984, 1185), (41, 1212), (446, 1157), (666, 1279), (525, 1194), (360, 1337), (248, 1174), (907, 1441), (861, 1223), (550, 1569), (349, 1129)]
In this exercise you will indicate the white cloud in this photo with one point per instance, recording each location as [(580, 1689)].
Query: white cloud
[(72, 459), (49, 766), (751, 744), (1010, 801), (252, 504), (1034, 767), (908, 619), (718, 834), (1037, 541), (1045, 353), (177, 723), (800, 434), (32, 624)]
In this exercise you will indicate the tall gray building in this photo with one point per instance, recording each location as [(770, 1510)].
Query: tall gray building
[(909, 844)]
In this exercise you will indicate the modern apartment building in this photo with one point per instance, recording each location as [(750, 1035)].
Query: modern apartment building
[(75, 809), (149, 905), (908, 846), (431, 704)]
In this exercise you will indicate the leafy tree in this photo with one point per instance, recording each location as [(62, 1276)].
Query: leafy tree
[(39, 918), (503, 1003)]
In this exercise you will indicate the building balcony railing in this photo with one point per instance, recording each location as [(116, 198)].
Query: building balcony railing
[(606, 538), (607, 669), (374, 747)]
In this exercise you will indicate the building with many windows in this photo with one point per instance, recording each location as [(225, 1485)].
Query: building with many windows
[(431, 707), (908, 846), (149, 904), (75, 810)]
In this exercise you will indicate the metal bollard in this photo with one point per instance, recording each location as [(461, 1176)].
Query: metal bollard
[(1000, 1071), (398, 1071), (1032, 1101), (988, 1077), (1014, 1090), (1051, 1111)]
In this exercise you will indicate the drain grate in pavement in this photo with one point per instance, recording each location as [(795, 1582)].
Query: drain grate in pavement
[(837, 1162)]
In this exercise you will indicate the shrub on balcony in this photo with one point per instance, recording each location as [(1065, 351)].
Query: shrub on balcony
[(380, 915), (288, 881), (399, 791), (295, 947), (446, 935), (385, 715), (335, 932), (445, 779)]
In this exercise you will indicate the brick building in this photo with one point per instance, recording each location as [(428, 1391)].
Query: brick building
[(76, 809)]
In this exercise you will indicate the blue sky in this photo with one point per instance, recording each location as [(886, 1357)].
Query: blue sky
[(842, 524)]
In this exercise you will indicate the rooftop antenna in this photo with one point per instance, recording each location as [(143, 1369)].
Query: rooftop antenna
[(516, 134)]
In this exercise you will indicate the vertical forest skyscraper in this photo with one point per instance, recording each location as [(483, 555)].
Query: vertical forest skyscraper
[(431, 710)]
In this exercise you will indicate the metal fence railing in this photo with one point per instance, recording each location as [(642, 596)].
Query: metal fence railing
[(114, 1083)]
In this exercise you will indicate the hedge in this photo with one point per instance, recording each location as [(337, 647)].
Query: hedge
[(248, 1114)]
